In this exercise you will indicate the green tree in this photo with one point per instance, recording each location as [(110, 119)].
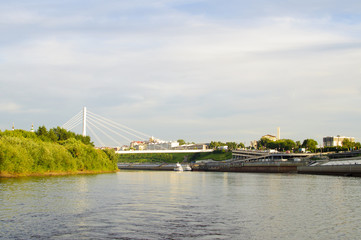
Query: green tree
[(288, 144), (181, 141), (63, 134), (310, 144), (231, 145), (52, 135), (215, 145), (241, 145), (263, 143), (42, 131), (347, 143)]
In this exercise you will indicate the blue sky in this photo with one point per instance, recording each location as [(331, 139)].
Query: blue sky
[(196, 70)]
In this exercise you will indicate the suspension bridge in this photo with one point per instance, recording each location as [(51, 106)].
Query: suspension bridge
[(108, 128), (115, 133)]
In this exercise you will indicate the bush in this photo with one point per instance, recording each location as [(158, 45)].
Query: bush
[(23, 152)]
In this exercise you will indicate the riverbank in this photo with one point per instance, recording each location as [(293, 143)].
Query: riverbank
[(49, 174), (337, 168)]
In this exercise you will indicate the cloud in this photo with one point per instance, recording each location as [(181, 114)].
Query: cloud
[(185, 68), (9, 107)]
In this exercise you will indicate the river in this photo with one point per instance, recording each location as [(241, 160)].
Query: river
[(180, 205)]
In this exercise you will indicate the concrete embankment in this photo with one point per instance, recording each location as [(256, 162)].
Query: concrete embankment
[(339, 170), (261, 167)]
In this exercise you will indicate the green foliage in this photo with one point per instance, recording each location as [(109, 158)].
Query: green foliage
[(241, 145), (59, 134), (281, 145), (310, 144), (217, 155), (264, 143), (357, 145), (181, 141), (57, 150), (231, 145), (234, 145), (215, 145), (347, 143), (146, 157)]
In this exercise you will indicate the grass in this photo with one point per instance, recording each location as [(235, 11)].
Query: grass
[(173, 157)]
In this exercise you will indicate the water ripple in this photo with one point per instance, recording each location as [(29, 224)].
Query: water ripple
[(166, 205)]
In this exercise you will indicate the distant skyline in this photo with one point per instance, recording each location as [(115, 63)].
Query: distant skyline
[(185, 69)]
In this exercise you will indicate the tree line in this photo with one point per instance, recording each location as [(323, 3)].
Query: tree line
[(60, 134), (309, 144)]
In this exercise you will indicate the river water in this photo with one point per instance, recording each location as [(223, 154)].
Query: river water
[(181, 205)]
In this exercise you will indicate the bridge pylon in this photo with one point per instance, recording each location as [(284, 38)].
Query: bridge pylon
[(84, 121)]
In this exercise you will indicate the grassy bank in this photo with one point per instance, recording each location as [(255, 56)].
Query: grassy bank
[(173, 157), (24, 153)]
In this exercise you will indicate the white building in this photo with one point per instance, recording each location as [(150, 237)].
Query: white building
[(162, 145), (335, 141)]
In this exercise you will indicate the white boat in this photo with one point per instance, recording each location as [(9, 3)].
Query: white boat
[(178, 167), (187, 168), (181, 168)]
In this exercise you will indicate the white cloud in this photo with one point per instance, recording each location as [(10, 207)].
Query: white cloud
[(9, 107), (160, 66)]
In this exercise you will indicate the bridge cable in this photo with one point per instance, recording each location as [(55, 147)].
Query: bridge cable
[(118, 124), (105, 134), (73, 125), (108, 129), (96, 136), (74, 118), (99, 121)]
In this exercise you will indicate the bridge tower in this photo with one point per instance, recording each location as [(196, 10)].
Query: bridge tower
[(84, 121)]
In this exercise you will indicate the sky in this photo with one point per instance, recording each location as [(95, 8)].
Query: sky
[(198, 70)]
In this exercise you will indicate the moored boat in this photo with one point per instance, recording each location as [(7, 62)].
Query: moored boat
[(178, 167), (187, 168)]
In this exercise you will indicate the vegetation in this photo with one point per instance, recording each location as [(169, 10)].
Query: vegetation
[(181, 141), (145, 157), (174, 157), (346, 143), (281, 145), (310, 145), (56, 151), (230, 145)]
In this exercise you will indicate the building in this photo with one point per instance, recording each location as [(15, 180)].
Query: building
[(254, 144), (335, 141), (191, 147), (225, 148), (162, 145), (270, 137), (137, 145)]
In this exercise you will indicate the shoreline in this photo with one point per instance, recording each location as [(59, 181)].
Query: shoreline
[(50, 174)]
